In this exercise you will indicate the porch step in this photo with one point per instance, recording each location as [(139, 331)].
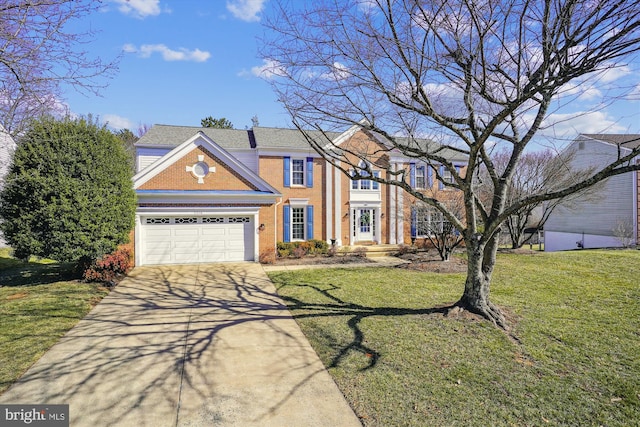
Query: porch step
[(374, 250)]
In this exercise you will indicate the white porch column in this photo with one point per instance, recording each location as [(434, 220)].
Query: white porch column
[(392, 209), (337, 179), (328, 197), (400, 212)]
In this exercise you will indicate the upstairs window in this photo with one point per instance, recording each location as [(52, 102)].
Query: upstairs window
[(365, 184), (297, 172), (421, 177)]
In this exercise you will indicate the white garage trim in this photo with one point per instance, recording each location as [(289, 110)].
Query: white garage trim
[(184, 236)]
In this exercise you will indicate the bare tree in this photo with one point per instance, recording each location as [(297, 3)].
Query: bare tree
[(39, 54), (468, 74), (623, 232), (432, 225), (537, 172)]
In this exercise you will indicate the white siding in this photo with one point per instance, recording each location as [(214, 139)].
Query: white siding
[(598, 213), (146, 156), (6, 152), (248, 158), (559, 241), (7, 145)]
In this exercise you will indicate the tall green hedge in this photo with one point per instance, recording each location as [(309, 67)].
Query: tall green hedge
[(68, 194)]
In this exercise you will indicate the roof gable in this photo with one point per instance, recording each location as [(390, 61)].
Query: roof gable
[(625, 140), (201, 148), (383, 142)]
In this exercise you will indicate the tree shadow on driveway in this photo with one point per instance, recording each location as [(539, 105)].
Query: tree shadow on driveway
[(187, 345)]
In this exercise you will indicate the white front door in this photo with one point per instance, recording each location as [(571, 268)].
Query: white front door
[(365, 224)]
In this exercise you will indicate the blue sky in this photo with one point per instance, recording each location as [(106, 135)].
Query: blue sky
[(183, 60)]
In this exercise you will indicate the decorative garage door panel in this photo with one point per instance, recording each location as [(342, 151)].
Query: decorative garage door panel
[(185, 240)]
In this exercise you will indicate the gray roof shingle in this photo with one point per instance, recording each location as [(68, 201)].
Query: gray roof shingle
[(627, 140), (172, 136), (264, 137)]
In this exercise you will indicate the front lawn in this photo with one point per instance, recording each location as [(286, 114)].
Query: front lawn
[(573, 357), (39, 302)]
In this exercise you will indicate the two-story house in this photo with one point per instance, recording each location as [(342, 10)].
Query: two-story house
[(605, 217), (210, 195)]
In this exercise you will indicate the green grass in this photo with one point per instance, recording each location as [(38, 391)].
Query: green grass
[(575, 359), (39, 302)]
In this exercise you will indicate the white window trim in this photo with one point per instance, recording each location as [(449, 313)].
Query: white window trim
[(304, 223), (298, 202), (424, 185), (295, 203), (304, 172), (360, 181), (430, 210)]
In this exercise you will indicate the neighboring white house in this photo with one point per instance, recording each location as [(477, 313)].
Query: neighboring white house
[(610, 217), (7, 145)]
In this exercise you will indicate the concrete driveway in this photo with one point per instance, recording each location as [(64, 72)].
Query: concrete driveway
[(198, 345)]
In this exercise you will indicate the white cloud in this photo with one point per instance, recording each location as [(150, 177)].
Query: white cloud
[(338, 72), (246, 10), (614, 73), (117, 122), (567, 124), (583, 91), (182, 54), (634, 95), (269, 69), (139, 8)]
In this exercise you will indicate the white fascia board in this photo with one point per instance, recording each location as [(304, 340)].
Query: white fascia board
[(343, 137), (196, 211), (607, 143), (167, 197), (288, 152), (164, 146)]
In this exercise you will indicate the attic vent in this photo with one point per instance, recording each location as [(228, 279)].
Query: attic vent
[(581, 145)]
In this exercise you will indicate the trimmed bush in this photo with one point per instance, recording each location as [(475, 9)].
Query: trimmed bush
[(360, 251), (302, 249), (110, 267), (268, 256), (68, 194), (318, 247)]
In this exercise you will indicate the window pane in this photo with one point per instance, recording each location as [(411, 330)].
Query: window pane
[(420, 177), (297, 172), (297, 223)]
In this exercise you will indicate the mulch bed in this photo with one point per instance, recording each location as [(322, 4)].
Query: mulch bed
[(430, 261), (324, 260), (422, 261)]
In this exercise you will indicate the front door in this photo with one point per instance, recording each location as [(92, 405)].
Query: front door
[(365, 224)]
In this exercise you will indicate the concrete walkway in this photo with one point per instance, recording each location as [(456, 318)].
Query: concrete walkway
[(200, 345)]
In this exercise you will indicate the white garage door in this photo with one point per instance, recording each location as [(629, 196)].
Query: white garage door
[(185, 240)]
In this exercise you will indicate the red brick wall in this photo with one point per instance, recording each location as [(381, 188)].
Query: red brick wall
[(360, 142), (175, 177), (272, 171)]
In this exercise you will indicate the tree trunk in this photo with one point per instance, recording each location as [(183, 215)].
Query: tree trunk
[(481, 261)]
